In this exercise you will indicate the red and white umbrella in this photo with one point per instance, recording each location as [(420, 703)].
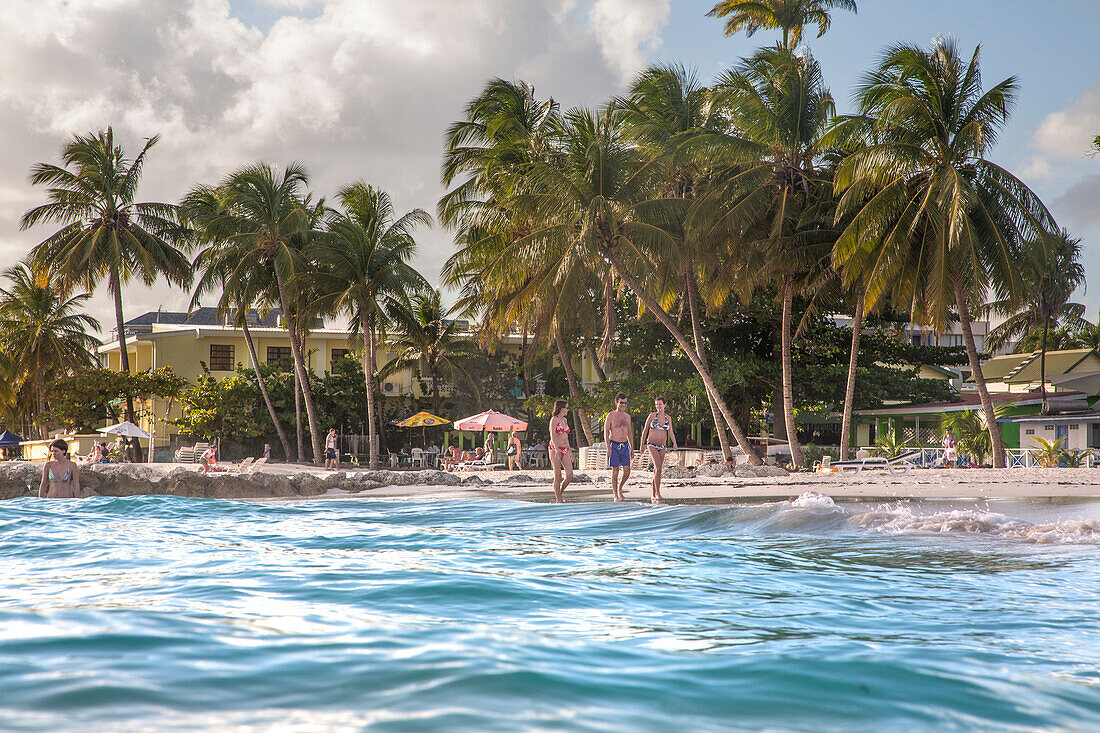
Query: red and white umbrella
[(490, 420)]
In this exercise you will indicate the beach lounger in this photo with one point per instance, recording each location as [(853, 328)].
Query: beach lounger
[(898, 466), (255, 466), (242, 466)]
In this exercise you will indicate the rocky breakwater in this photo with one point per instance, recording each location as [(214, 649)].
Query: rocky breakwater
[(22, 479)]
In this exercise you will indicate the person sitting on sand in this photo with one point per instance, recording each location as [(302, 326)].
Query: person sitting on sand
[(209, 460), (60, 475), (655, 434)]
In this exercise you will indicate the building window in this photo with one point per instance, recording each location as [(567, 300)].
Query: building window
[(1048, 428), (221, 358), (1029, 431), (340, 354), (1073, 426), (278, 353)]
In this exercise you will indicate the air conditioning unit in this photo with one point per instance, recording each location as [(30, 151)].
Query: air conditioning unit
[(389, 387)]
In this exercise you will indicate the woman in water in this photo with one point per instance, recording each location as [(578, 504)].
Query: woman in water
[(655, 434), (60, 476), (561, 455)]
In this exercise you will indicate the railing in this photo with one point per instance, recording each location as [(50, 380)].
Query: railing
[(1029, 458)]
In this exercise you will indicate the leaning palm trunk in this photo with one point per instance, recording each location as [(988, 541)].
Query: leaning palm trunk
[(600, 373), (708, 381), (850, 389), (788, 376), (574, 389), (700, 346), (115, 285), (300, 367), (368, 370), (979, 380), (263, 389)]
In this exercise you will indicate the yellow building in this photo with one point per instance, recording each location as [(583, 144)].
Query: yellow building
[(185, 342)]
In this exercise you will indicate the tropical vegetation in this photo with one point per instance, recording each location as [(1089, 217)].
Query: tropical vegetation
[(693, 240)]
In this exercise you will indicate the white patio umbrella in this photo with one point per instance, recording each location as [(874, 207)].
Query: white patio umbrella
[(129, 430)]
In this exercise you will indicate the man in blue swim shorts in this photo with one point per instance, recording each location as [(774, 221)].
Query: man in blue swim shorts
[(619, 438)]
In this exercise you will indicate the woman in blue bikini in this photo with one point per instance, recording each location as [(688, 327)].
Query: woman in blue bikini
[(561, 455), (655, 434), (60, 476)]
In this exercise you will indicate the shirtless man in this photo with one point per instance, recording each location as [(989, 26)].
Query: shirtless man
[(619, 438)]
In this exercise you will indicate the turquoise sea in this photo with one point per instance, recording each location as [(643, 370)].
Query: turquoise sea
[(164, 613)]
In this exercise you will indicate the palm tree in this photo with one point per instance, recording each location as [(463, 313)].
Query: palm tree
[(243, 284), (773, 195), (604, 200), (1050, 272), (931, 217), (264, 220), (362, 270), (666, 106), (43, 332), (790, 16), (507, 131), (105, 233), (429, 337)]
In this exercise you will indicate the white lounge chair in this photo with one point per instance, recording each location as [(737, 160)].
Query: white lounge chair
[(897, 466), (242, 466)]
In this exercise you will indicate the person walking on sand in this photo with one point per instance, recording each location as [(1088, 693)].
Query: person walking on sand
[(619, 438), (60, 476), (561, 455), (331, 459), (950, 448), (655, 434), (513, 451)]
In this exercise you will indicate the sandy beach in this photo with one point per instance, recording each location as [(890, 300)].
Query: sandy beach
[(291, 481)]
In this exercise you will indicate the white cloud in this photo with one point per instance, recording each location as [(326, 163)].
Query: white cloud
[(359, 89), (1065, 134), (629, 31)]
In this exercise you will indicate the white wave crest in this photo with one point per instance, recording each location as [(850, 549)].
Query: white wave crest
[(902, 520), (813, 500)]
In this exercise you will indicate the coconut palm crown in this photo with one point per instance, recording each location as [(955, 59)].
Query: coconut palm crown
[(790, 16)]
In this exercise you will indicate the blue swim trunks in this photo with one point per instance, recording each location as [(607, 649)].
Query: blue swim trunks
[(618, 454)]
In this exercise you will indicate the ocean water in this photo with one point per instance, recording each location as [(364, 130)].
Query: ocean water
[(165, 613)]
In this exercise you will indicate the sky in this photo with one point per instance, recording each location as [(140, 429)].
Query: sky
[(363, 89)]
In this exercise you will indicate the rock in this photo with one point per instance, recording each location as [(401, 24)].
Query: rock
[(677, 472), (712, 470), (759, 472), (582, 478)]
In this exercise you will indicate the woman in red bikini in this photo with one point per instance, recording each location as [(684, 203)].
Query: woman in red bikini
[(561, 455)]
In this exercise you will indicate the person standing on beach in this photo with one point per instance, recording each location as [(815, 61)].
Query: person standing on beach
[(655, 434), (950, 448), (561, 455), (490, 441), (331, 460), (60, 476), (619, 437), (513, 451)]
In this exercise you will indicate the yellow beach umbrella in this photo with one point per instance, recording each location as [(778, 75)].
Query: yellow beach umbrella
[(422, 420)]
